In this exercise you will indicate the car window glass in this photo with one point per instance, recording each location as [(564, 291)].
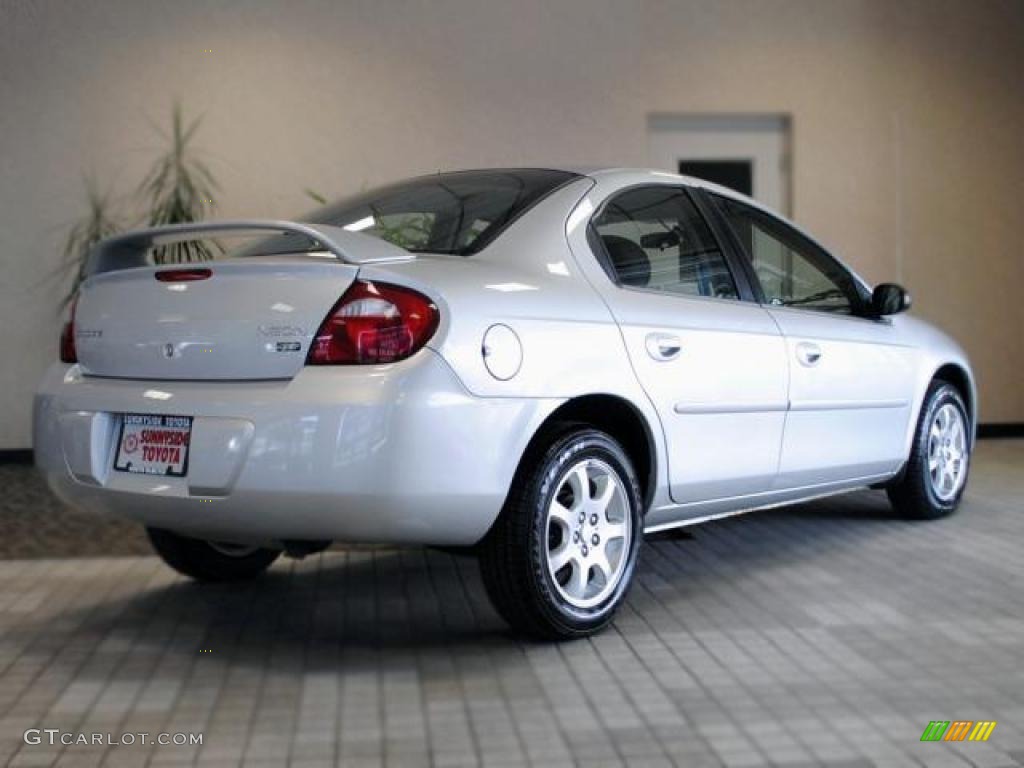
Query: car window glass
[(655, 238), (793, 272), (452, 213), (406, 230)]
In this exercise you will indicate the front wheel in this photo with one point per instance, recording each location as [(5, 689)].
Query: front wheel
[(210, 560), (561, 556), (936, 472)]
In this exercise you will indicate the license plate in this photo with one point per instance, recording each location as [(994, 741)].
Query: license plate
[(154, 445)]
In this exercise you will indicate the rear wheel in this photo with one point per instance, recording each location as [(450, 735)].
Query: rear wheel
[(209, 560), (560, 558), (936, 473)]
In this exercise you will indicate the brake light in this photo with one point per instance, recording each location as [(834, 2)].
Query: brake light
[(182, 275), (374, 323), (67, 337)]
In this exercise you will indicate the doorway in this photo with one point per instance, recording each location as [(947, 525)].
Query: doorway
[(747, 153)]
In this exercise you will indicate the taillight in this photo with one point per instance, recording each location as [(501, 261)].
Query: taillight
[(374, 323), (67, 337)]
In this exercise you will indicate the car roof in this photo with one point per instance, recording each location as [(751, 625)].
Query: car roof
[(632, 176), (636, 175), (667, 177)]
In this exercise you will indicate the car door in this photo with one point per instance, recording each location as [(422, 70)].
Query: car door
[(713, 364), (851, 377)]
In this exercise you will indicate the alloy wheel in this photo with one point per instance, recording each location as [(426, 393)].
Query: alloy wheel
[(589, 532), (947, 452)]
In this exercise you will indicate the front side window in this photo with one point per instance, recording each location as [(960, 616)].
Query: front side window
[(451, 213), (655, 238), (792, 271)]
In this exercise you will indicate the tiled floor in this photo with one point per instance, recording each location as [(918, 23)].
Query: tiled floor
[(35, 524), (826, 634)]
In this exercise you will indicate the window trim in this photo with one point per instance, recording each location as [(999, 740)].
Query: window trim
[(860, 306), (730, 246), (743, 287)]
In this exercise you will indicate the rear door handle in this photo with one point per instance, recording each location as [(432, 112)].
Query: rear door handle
[(663, 346), (808, 354)]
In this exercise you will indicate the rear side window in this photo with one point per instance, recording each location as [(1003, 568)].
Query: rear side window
[(453, 213), (655, 238)]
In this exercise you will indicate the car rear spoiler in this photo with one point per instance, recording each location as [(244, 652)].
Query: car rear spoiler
[(132, 248)]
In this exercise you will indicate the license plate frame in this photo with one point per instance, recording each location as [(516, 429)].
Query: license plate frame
[(169, 452)]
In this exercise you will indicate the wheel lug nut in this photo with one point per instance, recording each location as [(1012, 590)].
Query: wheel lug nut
[(593, 519), (595, 539), (583, 517), (576, 536), (585, 550)]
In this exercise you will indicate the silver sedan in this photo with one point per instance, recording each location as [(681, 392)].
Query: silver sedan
[(540, 364)]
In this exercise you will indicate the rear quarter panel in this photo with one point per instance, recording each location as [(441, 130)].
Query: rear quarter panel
[(529, 280)]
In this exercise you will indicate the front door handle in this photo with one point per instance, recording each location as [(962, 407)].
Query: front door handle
[(808, 354), (663, 346)]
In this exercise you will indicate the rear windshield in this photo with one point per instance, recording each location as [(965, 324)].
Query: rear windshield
[(454, 213)]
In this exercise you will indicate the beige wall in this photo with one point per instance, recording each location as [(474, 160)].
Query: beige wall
[(908, 150)]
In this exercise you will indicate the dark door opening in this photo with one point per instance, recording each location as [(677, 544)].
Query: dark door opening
[(737, 175)]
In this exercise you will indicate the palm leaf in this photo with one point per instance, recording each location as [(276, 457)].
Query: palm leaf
[(99, 222), (177, 188)]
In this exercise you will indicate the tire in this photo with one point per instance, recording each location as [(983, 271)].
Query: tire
[(209, 561), (935, 476), (545, 579)]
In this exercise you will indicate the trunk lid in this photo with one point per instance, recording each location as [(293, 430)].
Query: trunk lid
[(252, 318)]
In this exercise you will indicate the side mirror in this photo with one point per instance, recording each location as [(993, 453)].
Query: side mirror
[(889, 299)]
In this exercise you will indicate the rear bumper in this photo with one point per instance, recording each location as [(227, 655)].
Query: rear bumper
[(396, 453)]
